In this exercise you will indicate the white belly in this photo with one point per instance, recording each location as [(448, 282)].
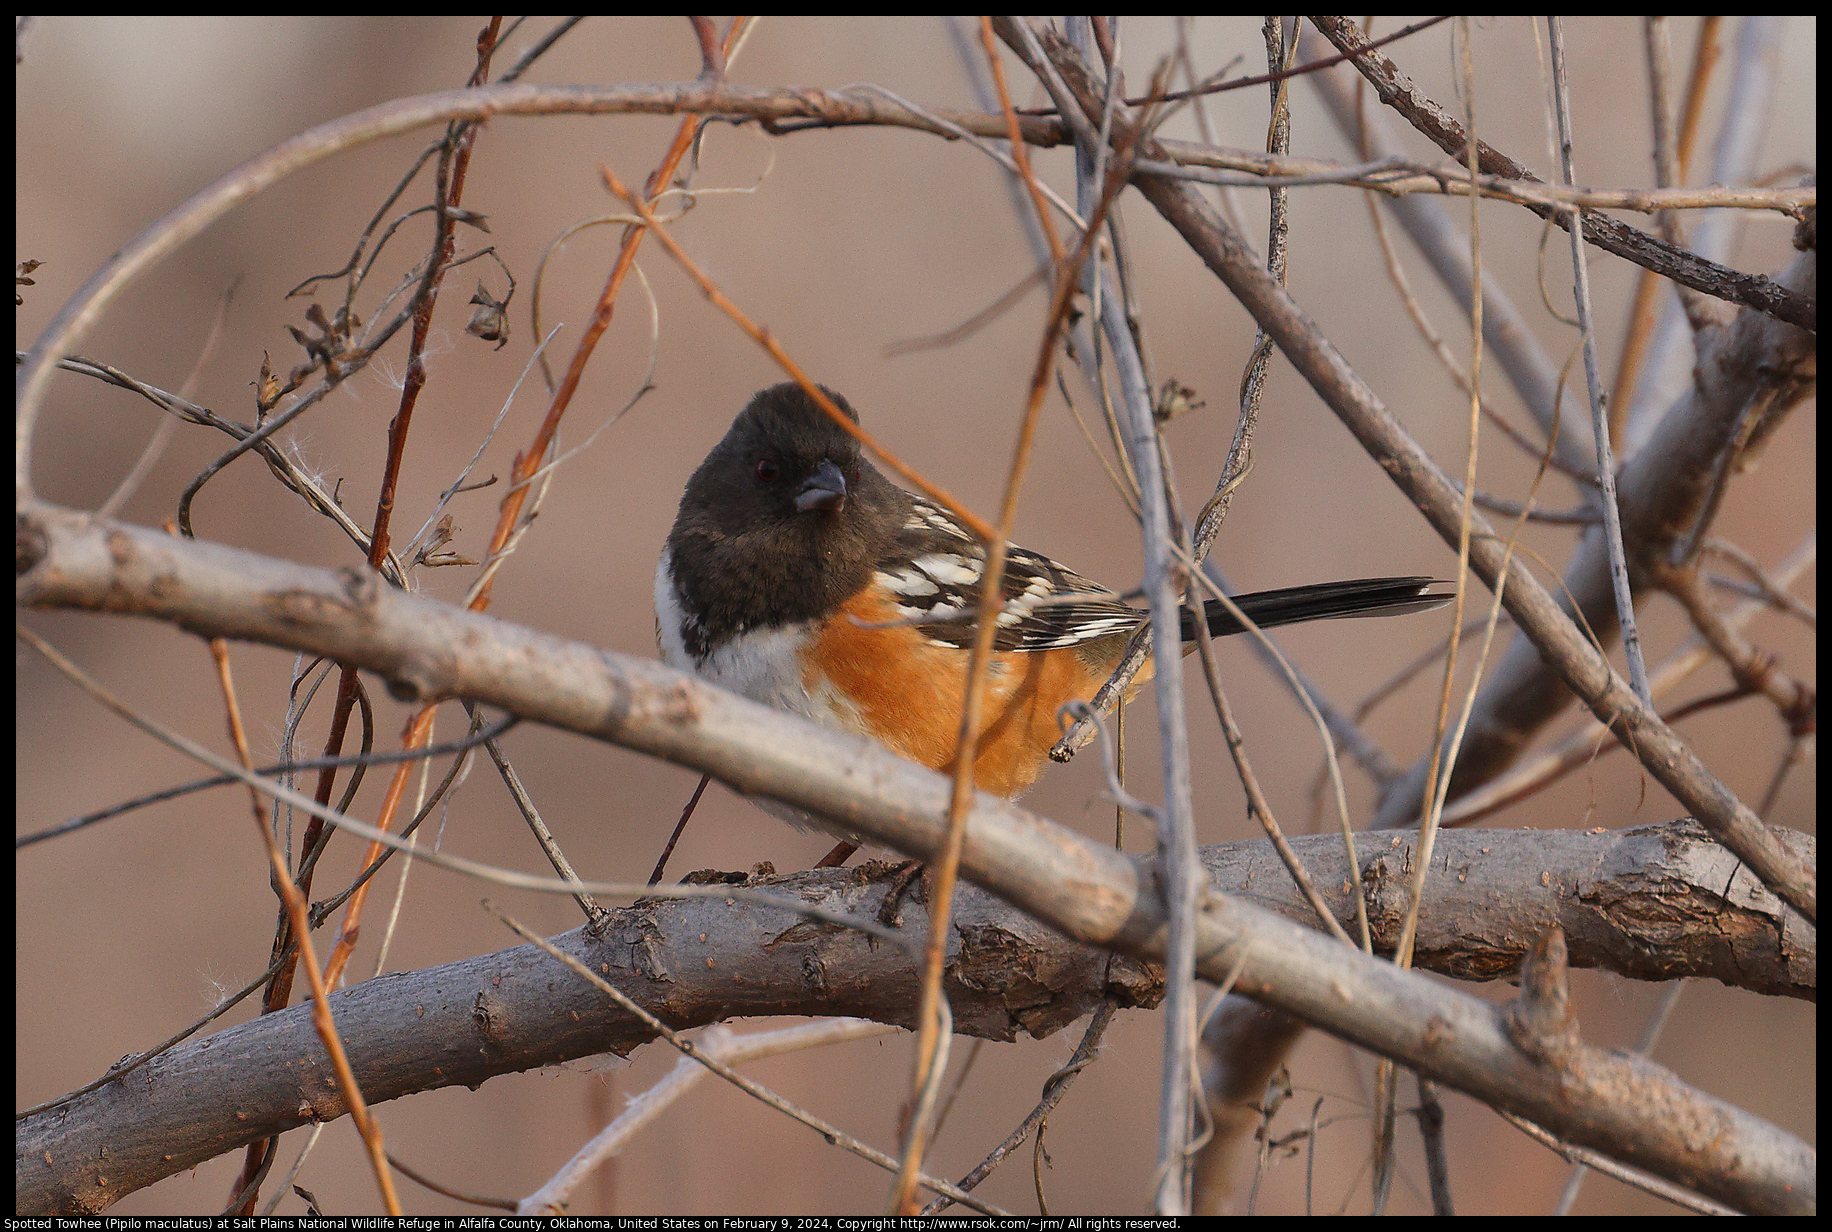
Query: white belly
[(765, 666)]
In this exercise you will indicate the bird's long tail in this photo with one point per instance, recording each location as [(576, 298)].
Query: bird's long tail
[(1391, 596)]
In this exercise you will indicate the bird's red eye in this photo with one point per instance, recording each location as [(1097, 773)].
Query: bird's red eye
[(766, 471)]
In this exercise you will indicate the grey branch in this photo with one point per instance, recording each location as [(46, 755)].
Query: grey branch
[(427, 650), (1646, 902), (1750, 374)]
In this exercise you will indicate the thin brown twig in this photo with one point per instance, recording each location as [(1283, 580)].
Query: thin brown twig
[(946, 870), (1679, 1197), (426, 1182), (1753, 670), (540, 48), (1583, 515), (762, 336), (1121, 482), (1770, 588), (321, 1006), (595, 915), (162, 434), (448, 190), (1054, 1088), (973, 324), (1242, 83), (1798, 749)]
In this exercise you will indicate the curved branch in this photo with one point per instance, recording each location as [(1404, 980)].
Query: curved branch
[(185, 221), (768, 105), (1633, 901), (1088, 892)]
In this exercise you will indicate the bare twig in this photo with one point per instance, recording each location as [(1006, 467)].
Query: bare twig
[(262, 1153), (827, 1130), (714, 1043), (1054, 1088), (1599, 412), (1634, 245)]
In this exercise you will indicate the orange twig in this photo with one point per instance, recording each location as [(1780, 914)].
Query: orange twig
[(947, 869), (796, 372), (526, 464), (322, 1021), (1020, 153)]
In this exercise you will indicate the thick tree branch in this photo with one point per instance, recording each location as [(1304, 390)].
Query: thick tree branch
[(1647, 903), (1089, 892)]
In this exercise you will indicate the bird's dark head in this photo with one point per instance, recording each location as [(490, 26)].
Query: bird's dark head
[(783, 456), (785, 506)]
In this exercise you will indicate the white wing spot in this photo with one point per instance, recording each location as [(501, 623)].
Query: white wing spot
[(948, 569), (910, 585), (937, 520)]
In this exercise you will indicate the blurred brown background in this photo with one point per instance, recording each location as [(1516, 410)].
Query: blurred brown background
[(852, 240)]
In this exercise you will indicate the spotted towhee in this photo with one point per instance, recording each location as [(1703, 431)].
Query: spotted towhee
[(799, 576)]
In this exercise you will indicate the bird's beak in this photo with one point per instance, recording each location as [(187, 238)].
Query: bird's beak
[(825, 490)]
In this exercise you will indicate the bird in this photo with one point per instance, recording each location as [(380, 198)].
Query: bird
[(798, 575)]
